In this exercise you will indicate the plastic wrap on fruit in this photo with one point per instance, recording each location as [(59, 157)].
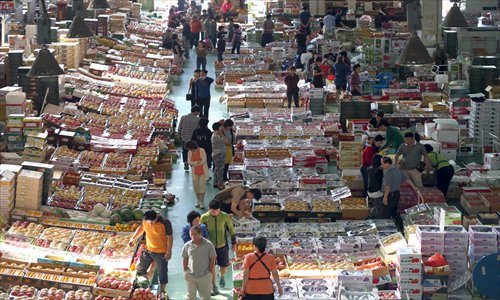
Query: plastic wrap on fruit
[(310, 282), (286, 295), (316, 295)]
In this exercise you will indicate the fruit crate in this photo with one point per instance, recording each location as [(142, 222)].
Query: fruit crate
[(243, 249)]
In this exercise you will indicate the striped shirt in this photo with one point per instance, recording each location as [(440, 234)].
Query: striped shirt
[(187, 125), (237, 35)]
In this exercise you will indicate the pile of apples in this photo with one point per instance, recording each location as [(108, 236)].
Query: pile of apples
[(26, 229), (23, 291), (112, 283), (143, 294), (78, 295), (51, 294)]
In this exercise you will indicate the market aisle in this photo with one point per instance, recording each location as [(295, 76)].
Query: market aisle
[(181, 185)]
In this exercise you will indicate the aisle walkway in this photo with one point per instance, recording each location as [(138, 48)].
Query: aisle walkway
[(181, 185)]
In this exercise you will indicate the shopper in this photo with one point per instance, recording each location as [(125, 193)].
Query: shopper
[(219, 142), (377, 116), (412, 153), (444, 171), (341, 73), (226, 9), (197, 159), (268, 31), (355, 81), (219, 224), (206, 30), (198, 261), (301, 40), (203, 92), (210, 10), (237, 199), (221, 44), (230, 29), (393, 178), (187, 125), (329, 26), (393, 137), (237, 36), (338, 19), (201, 56), (172, 19), (167, 41), (369, 153), (195, 31), (258, 268), (213, 31), (292, 88), (193, 219), (317, 74), (158, 230), (203, 137), (346, 59), (186, 37), (326, 68), (177, 50), (192, 87), (304, 62), (375, 177), (305, 18), (230, 135)]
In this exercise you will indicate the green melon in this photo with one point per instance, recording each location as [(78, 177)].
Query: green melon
[(116, 212), (127, 215), (138, 215), (115, 219)]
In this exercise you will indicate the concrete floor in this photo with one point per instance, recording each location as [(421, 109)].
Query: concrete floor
[(181, 185)]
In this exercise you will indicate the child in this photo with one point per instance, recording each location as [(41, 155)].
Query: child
[(237, 37), (221, 43)]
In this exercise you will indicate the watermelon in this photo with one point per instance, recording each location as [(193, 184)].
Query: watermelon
[(116, 212), (115, 219), (138, 215), (142, 282), (127, 215)]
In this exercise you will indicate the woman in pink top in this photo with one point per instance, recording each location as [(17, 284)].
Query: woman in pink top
[(226, 8)]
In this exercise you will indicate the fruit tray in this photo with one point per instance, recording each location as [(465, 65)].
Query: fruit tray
[(17, 241), (51, 244), (45, 268), (12, 264)]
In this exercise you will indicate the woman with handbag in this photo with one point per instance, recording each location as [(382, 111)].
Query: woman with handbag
[(191, 94), (444, 171), (197, 159)]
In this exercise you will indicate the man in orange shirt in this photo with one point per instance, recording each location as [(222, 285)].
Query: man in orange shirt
[(158, 246), (195, 31), (258, 267)]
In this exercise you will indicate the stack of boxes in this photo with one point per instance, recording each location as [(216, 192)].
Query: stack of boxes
[(435, 283), (48, 174), (484, 119), (15, 102), (15, 59), (409, 273), (317, 101), (35, 148), (117, 23), (3, 100), (430, 240), (103, 25), (7, 192), (482, 241), (446, 132), (456, 242), (350, 155), (317, 7), (69, 54), (15, 129), (29, 190), (32, 125)]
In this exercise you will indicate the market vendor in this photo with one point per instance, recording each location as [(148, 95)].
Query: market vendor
[(158, 230), (393, 137), (237, 200)]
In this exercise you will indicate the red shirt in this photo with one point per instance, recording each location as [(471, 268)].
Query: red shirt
[(195, 26), (368, 155), (227, 6)]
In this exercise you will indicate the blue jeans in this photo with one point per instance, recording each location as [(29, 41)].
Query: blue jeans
[(201, 62), (147, 257)]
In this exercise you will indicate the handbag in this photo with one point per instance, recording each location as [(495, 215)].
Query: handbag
[(189, 97)]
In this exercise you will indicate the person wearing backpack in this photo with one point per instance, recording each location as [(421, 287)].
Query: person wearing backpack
[(258, 268), (444, 171)]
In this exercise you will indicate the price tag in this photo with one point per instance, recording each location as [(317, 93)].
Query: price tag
[(6, 5)]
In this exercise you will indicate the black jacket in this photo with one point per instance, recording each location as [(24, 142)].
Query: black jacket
[(202, 137)]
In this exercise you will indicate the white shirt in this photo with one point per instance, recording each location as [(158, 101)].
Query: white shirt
[(305, 57), (329, 22)]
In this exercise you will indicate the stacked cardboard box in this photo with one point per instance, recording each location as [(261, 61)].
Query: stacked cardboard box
[(48, 174), (3, 101), (350, 154), (117, 23), (482, 241), (15, 103), (456, 242), (103, 25), (484, 120), (430, 240), (409, 273), (70, 54), (15, 129), (29, 190), (7, 191)]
